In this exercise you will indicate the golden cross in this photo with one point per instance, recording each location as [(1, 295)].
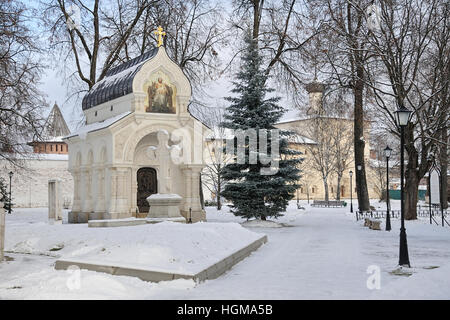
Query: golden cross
[(160, 33)]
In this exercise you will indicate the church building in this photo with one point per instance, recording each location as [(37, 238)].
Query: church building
[(139, 139)]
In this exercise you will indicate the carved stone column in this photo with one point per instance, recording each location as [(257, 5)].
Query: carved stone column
[(134, 189), (192, 193), (99, 187), (123, 193), (76, 206), (112, 191), (120, 184), (86, 195)]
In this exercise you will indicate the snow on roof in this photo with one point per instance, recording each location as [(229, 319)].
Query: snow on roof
[(291, 115), (225, 133), (297, 138), (44, 156), (83, 131), (117, 82)]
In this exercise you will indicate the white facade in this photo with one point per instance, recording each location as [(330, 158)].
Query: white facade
[(121, 137), (29, 187)]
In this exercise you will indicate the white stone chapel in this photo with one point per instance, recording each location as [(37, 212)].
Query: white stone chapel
[(139, 139)]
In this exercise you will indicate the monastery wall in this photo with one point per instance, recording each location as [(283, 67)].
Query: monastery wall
[(30, 185)]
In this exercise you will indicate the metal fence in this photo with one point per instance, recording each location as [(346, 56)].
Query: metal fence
[(437, 216)]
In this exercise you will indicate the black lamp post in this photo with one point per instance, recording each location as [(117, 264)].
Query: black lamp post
[(387, 154), (190, 215), (403, 115), (10, 178), (351, 198), (431, 159)]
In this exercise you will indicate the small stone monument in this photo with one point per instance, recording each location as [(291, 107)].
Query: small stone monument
[(54, 201), (164, 205), (2, 231)]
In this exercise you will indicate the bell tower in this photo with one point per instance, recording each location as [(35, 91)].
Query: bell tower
[(315, 90)]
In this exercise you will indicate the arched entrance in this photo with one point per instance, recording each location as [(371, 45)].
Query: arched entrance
[(147, 185)]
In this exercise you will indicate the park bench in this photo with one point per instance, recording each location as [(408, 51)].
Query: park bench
[(332, 203), (372, 224)]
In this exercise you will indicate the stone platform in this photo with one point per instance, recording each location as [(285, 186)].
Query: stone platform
[(130, 222), (212, 272)]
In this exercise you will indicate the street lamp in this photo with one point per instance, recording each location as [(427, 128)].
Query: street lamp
[(402, 117), (387, 154), (430, 158), (358, 184), (351, 199), (10, 178)]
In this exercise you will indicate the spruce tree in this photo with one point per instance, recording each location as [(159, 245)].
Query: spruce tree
[(253, 194)]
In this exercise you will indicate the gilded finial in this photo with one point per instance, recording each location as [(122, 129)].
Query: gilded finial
[(160, 33)]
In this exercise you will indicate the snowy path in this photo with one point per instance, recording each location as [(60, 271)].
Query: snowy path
[(323, 255), (319, 257), (326, 254)]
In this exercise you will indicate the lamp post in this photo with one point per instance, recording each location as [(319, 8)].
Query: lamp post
[(10, 178), (431, 159), (387, 154), (402, 115), (358, 184), (351, 198)]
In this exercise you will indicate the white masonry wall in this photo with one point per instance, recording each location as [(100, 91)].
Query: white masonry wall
[(30, 185)]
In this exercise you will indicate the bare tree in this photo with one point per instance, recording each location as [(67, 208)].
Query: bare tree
[(343, 149), (283, 29), (111, 33), (81, 35), (194, 35), (321, 154), (21, 103), (408, 70), (341, 130), (343, 54), (216, 158)]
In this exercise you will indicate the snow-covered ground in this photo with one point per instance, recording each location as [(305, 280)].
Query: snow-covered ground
[(319, 253)]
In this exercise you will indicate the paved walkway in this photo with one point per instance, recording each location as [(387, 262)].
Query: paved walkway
[(321, 256)]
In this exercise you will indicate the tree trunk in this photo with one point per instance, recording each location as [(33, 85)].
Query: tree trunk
[(361, 181), (444, 167), (256, 18), (325, 186), (338, 192), (411, 177), (412, 192), (219, 189)]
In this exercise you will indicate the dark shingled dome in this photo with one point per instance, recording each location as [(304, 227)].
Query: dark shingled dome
[(117, 82), (315, 87)]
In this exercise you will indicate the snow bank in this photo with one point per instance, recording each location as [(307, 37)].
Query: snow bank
[(167, 246), (435, 280)]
